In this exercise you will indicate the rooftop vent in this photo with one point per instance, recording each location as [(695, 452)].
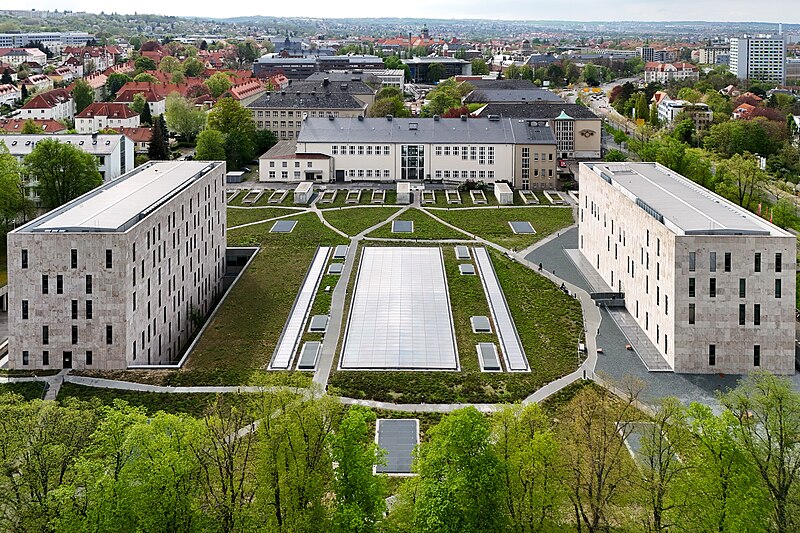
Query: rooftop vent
[(494, 118), (413, 125), (330, 117), (436, 118), (389, 117), (325, 82), (361, 118), (464, 118)]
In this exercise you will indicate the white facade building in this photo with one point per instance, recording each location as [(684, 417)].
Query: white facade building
[(761, 58), (700, 113), (710, 284), (9, 94), (102, 115), (114, 278)]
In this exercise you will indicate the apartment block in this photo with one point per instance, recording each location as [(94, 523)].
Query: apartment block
[(710, 284), (761, 58), (117, 277)]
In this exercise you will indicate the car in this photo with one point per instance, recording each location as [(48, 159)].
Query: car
[(246, 169)]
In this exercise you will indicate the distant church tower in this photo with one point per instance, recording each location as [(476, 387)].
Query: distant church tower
[(424, 33)]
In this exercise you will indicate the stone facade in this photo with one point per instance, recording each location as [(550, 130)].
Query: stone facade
[(116, 299)]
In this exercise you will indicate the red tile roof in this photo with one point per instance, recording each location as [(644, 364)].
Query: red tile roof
[(48, 100), (15, 125), (137, 135), (107, 109)]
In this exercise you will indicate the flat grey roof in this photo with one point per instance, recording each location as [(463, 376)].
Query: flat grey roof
[(685, 207), (399, 438), (522, 226), (466, 269), (318, 323), (402, 226), (283, 226), (335, 268), (340, 252), (308, 355), (425, 130), (512, 95), (488, 354), (462, 252), (400, 317), (120, 204), (480, 324)]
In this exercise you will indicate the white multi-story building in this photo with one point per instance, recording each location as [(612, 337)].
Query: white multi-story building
[(655, 72), (700, 113), (9, 94), (103, 115), (117, 277), (522, 152), (55, 41), (761, 58), (710, 284)]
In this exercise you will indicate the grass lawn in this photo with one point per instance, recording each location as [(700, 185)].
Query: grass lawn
[(237, 217), (191, 404), (466, 200), (492, 224), (214, 376), (30, 390), (245, 331), (354, 221), (425, 228), (548, 322)]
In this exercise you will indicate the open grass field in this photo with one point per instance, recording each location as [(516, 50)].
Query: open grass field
[(425, 228), (237, 217), (245, 331), (354, 221), (492, 224)]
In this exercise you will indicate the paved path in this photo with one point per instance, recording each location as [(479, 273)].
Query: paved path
[(144, 387)]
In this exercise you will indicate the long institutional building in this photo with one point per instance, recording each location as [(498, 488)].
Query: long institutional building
[(710, 284), (522, 152), (112, 279)]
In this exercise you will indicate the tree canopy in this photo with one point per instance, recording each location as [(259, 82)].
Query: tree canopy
[(63, 172)]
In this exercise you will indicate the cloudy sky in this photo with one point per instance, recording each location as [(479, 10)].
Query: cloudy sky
[(585, 10)]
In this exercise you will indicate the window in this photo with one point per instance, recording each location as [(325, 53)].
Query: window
[(692, 261), (778, 267), (74, 309), (74, 334), (45, 358), (24, 258), (666, 304), (109, 334), (45, 334), (25, 357), (712, 354), (658, 247), (45, 284), (777, 288), (742, 288), (88, 309), (727, 261), (109, 258), (691, 287), (712, 287), (756, 314), (88, 284), (88, 357), (691, 314), (742, 314), (59, 284), (24, 309), (712, 261), (73, 259), (756, 355), (757, 262)]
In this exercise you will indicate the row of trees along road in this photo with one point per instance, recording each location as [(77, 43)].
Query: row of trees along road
[(306, 466)]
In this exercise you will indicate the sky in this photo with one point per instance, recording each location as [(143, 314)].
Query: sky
[(787, 11)]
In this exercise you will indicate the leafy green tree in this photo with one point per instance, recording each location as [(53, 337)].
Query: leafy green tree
[(236, 123), (741, 179), (642, 110), (115, 83), (144, 63), (684, 131), (178, 77), (394, 92), (615, 156), (388, 106), (653, 119), (210, 146), (459, 477), (766, 428), (83, 94), (436, 72), (63, 172), (479, 67), (183, 117), (139, 102), (591, 75), (193, 67), (5, 79), (13, 202), (738, 137), (531, 489), (169, 64), (29, 127), (263, 140), (159, 142), (218, 84), (144, 76), (359, 494)]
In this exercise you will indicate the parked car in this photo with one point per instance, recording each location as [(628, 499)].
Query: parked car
[(246, 169)]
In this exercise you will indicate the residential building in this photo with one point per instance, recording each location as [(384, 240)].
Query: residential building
[(647, 53), (97, 81), (102, 115), (419, 66), (710, 284), (761, 58), (16, 125), (115, 278), (140, 137), (714, 55), (247, 92), (37, 83), (743, 111), (51, 105), (665, 55), (664, 73), (155, 94), (283, 162), (17, 56), (114, 153), (9, 94), (522, 152), (668, 109), (63, 74), (576, 129), (792, 71), (283, 112)]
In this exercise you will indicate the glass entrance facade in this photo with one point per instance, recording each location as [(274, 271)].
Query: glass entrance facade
[(412, 162)]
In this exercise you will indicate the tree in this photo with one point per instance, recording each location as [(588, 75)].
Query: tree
[(193, 67), (591, 75), (654, 121), (642, 110), (146, 116), (159, 143), (247, 52), (145, 77), (228, 115), (6, 77), (263, 140), (63, 172), (479, 67), (388, 106), (738, 137), (115, 82), (29, 127), (24, 93), (767, 412), (531, 490), (218, 84), (169, 64), (13, 202), (359, 493), (741, 179), (459, 477), (615, 156), (210, 146), (139, 103), (183, 117), (178, 77), (435, 73), (684, 131), (83, 94), (144, 63)]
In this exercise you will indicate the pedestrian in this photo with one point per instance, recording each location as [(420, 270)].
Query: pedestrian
[(540, 267)]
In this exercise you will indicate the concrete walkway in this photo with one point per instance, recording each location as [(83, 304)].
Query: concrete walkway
[(144, 387)]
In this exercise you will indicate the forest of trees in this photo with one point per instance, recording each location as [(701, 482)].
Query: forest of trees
[(289, 462)]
